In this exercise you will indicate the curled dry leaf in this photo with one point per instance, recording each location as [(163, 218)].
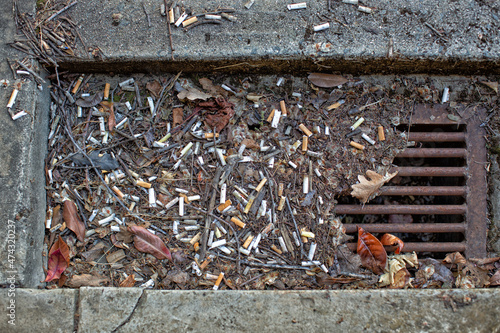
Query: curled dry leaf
[(154, 88), (90, 101), (455, 258), (128, 282), (326, 80), (371, 251), (178, 116), (73, 221), (391, 240), (58, 260), (367, 189), (193, 94), (491, 84), (209, 86), (254, 97), (495, 279), (145, 241)]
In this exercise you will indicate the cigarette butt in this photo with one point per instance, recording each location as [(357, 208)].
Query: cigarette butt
[(238, 222), (357, 145), (283, 108), (12, 98), (304, 143), (77, 84), (196, 246), (205, 263), (381, 134), (335, 105), (281, 204), (248, 241), (118, 192), (305, 130), (280, 189), (219, 280), (261, 185), (107, 86), (211, 135), (223, 206), (171, 18), (357, 123), (143, 184), (189, 21), (306, 234), (271, 116), (195, 238), (275, 249)]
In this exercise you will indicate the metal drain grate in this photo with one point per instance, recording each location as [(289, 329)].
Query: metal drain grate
[(452, 153)]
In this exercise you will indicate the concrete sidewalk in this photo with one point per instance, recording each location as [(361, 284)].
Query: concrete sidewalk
[(428, 36), (136, 310)]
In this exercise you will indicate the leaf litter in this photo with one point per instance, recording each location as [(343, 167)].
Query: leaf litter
[(173, 181)]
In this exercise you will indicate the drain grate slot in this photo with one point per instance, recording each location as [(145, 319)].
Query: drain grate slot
[(447, 170)]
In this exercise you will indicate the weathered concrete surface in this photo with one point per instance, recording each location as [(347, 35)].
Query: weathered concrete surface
[(22, 151), (494, 195), (38, 310), (289, 311), (269, 37)]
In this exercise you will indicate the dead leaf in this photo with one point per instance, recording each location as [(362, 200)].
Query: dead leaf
[(193, 94), (73, 221), (58, 260), (454, 258), (250, 144), (401, 279), (326, 80), (254, 97), (154, 88), (115, 256), (495, 279), (94, 253), (128, 282), (178, 116), (87, 280), (145, 241), (391, 240), (111, 118), (57, 217), (224, 111), (484, 261), (90, 101), (469, 273), (371, 251), (209, 86), (366, 189), (491, 84)]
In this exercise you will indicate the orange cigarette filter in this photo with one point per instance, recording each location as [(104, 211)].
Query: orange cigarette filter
[(77, 85), (381, 134), (143, 184), (271, 116), (238, 222), (357, 145), (107, 86), (304, 129), (283, 108), (219, 280), (304, 143)]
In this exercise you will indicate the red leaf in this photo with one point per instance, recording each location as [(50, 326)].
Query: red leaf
[(391, 240), (371, 251), (58, 260), (145, 241), (72, 220)]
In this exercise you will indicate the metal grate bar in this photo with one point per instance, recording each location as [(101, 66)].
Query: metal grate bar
[(433, 152), (424, 190), (407, 227), (431, 171), (427, 247), (437, 136), (402, 209)]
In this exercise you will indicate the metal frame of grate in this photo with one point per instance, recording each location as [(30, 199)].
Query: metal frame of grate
[(474, 210)]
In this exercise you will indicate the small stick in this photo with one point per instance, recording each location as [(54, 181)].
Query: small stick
[(147, 15), (296, 228), (62, 10)]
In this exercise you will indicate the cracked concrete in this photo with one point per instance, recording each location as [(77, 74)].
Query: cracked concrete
[(137, 310)]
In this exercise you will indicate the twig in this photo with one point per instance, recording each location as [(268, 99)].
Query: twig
[(302, 252), (62, 10), (147, 15), (258, 264), (38, 77)]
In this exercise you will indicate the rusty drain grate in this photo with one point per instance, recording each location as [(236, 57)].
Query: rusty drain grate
[(452, 153)]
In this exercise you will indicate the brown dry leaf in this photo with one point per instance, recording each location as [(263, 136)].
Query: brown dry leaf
[(250, 144), (193, 94), (94, 253), (154, 88), (391, 240), (371, 251), (484, 261), (326, 80), (115, 256), (57, 216), (224, 111), (471, 274), (87, 280), (58, 260), (254, 97), (90, 101), (401, 279), (145, 241), (128, 282), (454, 258), (366, 189), (73, 221), (495, 279), (178, 116), (209, 86), (491, 84)]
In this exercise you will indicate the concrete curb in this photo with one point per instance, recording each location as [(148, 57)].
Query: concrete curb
[(137, 310)]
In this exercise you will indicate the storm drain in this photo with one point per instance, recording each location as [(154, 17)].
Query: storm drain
[(446, 169)]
